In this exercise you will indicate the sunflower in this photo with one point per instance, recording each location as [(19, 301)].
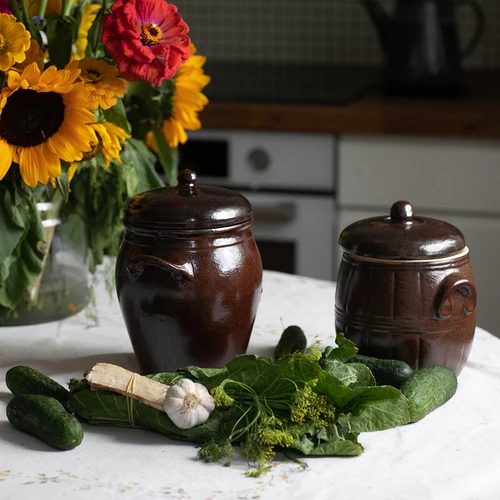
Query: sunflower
[(14, 42), (33, 55), (187, 101), (110, 138), (88, 18), (43, 120), (101, 80)]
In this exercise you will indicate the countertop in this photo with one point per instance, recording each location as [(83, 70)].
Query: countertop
[(473, 115), (452, 454)]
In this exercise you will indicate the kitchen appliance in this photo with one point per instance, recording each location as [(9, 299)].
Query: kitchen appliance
[(188, 275), (405, 289), (421, 44), (289, 180)]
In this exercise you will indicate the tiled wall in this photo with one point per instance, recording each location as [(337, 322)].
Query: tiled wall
[(311, 31)]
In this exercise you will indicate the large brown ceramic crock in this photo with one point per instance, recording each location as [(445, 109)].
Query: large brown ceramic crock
[(405, 289), (188, 275)]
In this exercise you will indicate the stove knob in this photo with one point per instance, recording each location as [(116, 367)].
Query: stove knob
[(259, 159)]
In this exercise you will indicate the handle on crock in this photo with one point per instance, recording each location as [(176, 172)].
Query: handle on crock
[(138, 263), (450, 286)]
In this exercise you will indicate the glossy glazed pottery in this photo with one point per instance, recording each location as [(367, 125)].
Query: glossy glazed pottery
[(188, 275), (405, 289)]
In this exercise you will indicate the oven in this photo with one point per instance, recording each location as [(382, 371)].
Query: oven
[(289, 180)]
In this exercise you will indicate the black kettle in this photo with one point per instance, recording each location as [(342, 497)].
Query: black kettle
[(421, 44)]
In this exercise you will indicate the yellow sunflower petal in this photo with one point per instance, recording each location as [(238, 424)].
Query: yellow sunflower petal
[(5, 158), (35, 163)]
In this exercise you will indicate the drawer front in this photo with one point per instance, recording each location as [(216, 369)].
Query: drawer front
[(278, 160), (451, 175)]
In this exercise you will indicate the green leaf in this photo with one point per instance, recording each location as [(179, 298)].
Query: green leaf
[(60, 39), (168, 156), (24, 17), (344, 372), (364, 376), (62, 182), (19, 246), (139, 167), (118, 116), (344, 350), (95, 48), (107, 408), (12, 226), (327, 441), (374, 409)]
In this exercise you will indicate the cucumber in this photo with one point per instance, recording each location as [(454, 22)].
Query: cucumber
[(292, 339), (386, 371), (45, 418), (428, 389), (26, 380)]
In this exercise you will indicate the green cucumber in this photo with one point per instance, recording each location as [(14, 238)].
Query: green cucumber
[(27, 380), (292, 339), (428, 389), (386, 371), (45, 418)]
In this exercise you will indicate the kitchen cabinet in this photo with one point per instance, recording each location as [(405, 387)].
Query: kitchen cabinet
[(456, 181)]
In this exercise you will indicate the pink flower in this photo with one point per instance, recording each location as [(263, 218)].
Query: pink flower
[(4, 7), (146, 38)]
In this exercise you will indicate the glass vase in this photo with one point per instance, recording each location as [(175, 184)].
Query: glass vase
[(61, 289)]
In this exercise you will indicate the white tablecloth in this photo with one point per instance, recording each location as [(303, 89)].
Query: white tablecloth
[(454, 453)]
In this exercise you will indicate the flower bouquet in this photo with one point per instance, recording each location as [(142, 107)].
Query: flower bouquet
[(93, 96)]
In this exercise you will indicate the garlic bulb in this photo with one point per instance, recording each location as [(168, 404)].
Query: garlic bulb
[(188, 403)]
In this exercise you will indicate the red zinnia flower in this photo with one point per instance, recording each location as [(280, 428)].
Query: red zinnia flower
[(4, 7), (146, 38)]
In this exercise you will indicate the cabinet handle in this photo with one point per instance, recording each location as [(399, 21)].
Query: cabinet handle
[(279, 213)]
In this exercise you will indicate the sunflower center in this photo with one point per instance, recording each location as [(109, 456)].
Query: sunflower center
[(29, 118), (4, 44), (150, 34)]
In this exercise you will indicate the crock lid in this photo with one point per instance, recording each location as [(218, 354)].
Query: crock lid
[(187, 206), (402, 236)]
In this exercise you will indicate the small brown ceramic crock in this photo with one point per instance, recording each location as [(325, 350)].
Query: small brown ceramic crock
[(188, 275), (405, 289)]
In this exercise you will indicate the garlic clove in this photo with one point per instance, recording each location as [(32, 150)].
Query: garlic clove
[(188, 404)]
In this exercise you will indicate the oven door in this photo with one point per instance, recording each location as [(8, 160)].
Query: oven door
[(294, 232)]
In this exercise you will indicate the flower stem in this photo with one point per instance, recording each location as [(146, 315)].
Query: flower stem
[(66, 8), (168, 156), (42, 9)]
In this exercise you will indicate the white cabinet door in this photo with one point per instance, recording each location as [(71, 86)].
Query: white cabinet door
[(431, 174), (482, 235)]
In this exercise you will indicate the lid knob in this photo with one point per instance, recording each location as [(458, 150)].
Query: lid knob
[(401, 211), (186, 179)]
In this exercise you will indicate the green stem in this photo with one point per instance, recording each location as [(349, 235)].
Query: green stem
[(168, 156), (14, 7), (42, 9), (66, 8)]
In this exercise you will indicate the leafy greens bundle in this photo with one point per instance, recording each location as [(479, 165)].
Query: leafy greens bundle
[(309, 402)]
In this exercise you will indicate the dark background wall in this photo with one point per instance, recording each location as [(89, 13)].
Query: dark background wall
[(310, 31)]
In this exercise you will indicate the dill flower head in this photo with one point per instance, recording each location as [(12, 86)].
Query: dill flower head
[(101, 80), (221, 397), (14, 42), (43, 120)]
